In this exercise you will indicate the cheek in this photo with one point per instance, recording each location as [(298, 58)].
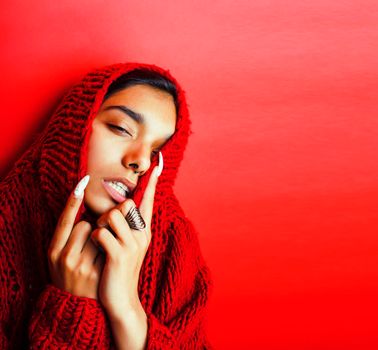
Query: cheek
[(100, 153)]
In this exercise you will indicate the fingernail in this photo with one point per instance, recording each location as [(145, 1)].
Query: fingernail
[(161, 165), (80, 187)]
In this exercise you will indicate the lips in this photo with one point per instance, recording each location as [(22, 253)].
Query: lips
[(118, 193)]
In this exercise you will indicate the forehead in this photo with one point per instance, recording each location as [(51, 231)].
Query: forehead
[(140, 93)]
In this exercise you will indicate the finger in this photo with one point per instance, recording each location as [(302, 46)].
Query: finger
[(147, 203), (133, 217), (67, 218), (116, 221), (89, 252), (103, 220), (107, 241), (78, 237), (124, 207)]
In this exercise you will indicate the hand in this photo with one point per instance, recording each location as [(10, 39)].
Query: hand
[(125, 252), (74, 261)]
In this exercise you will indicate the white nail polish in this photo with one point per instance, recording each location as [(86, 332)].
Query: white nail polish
[(161, 165), (80, 187)]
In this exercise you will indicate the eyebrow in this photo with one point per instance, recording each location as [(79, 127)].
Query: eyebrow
[(138, 117)]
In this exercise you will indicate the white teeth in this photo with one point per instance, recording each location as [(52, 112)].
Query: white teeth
[(120, 184), (119, 187)]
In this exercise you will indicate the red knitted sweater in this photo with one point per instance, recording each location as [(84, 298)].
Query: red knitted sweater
[(175, 282)]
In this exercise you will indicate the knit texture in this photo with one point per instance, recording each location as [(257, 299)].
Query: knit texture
[(175, 282)]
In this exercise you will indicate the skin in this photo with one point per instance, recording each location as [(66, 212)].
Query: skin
[(113, 153), (74, 260)]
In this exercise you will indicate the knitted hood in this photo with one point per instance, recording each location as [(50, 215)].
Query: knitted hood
[(63, 159), (35, 192), (174, 282)]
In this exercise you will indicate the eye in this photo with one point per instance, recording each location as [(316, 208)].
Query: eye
[(122, 130)]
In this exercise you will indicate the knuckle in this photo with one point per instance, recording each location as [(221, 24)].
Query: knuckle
[(82, 270), (94, 275), (113, 214), (71, 204), (52, 255), (84, 225), (64, 221), (66, 260), (128, 203), (99, 233)]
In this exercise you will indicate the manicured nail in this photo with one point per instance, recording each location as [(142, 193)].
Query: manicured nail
[(161, 165), (80, 187)]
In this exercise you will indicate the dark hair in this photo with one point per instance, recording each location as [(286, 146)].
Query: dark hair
[(143, 77)]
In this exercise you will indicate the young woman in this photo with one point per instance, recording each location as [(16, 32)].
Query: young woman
[(96, 251)]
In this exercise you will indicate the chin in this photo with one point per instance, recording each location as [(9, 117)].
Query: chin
[(99, 206)]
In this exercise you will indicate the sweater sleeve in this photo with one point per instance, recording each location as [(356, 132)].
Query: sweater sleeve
[(179, 322), (62, 320), (186, 330), (55, 320)]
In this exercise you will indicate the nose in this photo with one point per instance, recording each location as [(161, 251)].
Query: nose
[(137, 158)]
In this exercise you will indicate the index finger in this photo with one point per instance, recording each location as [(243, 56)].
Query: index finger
[(147, 203), (67, 218)]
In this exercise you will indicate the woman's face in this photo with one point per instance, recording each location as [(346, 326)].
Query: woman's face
[(129, 129)]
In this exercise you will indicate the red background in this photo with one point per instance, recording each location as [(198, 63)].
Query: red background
[(280, 175)]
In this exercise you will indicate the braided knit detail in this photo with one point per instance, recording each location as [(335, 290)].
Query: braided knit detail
[(174, 284), (62, 318)]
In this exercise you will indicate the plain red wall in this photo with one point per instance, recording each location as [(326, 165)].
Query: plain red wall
[(280, 177)]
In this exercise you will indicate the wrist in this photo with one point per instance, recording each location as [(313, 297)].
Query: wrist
[(128, 309), (129, 327)]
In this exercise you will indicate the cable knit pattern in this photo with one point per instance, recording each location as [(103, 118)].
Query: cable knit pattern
[(175, 282)]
